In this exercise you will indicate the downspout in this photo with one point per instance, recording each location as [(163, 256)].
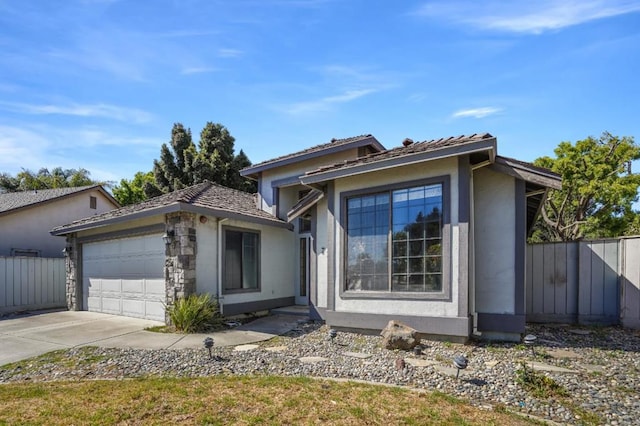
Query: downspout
[(219, 263), (472, 243)]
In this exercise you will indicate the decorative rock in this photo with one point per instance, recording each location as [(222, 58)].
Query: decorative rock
[(276, 349), (416, 362), (400, 364), (562, 353), (312, 359), (397, 335), (579, 332), (547, 367), (358, 355), (244, 348)]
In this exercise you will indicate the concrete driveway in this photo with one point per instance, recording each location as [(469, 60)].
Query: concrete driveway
[(29, 335)]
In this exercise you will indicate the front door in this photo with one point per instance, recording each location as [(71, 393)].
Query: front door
[(304, 270)]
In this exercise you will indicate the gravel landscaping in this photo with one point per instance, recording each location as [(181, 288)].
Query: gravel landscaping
[(597, 368)]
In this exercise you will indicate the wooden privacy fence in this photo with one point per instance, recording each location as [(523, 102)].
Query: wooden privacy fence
[(584, 282), (28, 283)]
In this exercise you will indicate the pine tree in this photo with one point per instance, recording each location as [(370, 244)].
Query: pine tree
[(183, 164)]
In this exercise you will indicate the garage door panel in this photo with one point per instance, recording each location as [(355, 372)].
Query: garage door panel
[(154, 310), (93, 284), (110, 285), (125, 277), (155, 289), (135, 287), (93, 304), (111, 305), (133, 308)]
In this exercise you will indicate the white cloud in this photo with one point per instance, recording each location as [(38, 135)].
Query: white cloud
[(325, 103), (89, 110), (21, 148), (526, 17), (475, 112), (417, 97), (35, 146)]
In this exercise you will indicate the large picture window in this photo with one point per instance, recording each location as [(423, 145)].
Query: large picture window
[(394, 240), (241, 260)]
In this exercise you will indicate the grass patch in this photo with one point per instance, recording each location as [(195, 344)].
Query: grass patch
[(543, 387), (538, 384), (161, 329), (234, 400), (60, 358), (586, 418)]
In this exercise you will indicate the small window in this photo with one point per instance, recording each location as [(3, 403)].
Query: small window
[(93, 202), (25, 252), (304, 224), (304, 221), (241, 261)]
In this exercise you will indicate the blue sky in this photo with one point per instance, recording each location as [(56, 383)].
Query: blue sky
[(98, 84)]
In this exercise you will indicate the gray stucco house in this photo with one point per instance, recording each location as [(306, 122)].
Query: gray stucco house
[(432, 233), (26, 217)]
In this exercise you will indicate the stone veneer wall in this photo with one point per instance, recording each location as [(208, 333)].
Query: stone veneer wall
[(180, 262), (73, 278)]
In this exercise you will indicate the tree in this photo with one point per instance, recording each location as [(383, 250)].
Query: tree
[(133, 191), (598, 190), (56, 178), (182, 164)]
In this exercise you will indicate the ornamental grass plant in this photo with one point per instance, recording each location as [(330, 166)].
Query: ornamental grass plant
[(195, 313)]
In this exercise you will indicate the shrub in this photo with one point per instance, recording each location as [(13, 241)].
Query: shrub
[(195, 313)]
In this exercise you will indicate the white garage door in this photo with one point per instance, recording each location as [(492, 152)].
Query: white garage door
[(125, 276)]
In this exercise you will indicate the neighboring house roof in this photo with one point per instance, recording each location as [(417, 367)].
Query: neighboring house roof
[(336, 145), (204, 198), (11, 202), (411, 153)]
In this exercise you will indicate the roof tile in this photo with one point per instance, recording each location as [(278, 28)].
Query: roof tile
[(206, 195), (317, 148), (425, 146)]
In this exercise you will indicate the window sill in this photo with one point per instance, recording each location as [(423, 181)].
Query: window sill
[(241, 291), (388, 295)]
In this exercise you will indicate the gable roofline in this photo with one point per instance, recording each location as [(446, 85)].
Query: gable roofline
[(64, 194), (527, 172), (336, 145), (203, 198), (414, 153)]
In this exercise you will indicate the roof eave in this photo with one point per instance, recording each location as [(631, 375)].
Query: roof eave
[(174, 207), (488, 145), (68, 229), (528, 174), (252, 171), (226, 214), (62, 197)]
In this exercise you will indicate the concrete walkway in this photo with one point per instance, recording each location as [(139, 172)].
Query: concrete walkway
[(29, 335)]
